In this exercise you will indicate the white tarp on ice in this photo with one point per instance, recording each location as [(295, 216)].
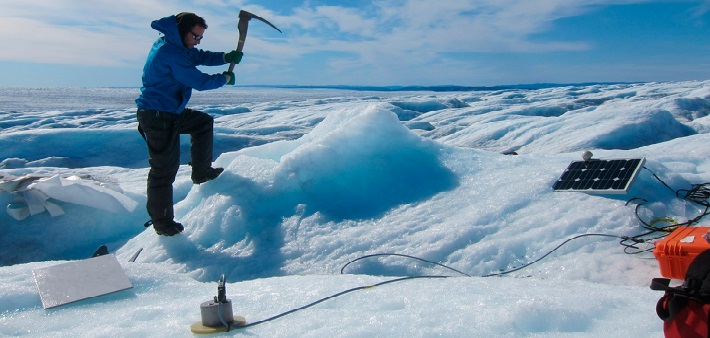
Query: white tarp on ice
[(33, 194)]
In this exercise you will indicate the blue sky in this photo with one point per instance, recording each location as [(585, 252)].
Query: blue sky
[(395, 42)]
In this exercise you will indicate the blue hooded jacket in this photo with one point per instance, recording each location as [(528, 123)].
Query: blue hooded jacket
[(170, 71)]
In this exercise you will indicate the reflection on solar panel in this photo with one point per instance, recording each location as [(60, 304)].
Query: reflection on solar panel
[(599, 176)]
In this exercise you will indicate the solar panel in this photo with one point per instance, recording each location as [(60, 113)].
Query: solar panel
[(599, 176)]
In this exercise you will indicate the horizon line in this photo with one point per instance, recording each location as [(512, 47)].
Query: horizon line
[(393, 88)]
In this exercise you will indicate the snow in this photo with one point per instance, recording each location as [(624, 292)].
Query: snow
[(317, 178)]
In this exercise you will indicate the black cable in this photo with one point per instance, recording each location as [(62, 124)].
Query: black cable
[(623, 238), (334, 296), (642, 202), (698, 194), (659, 179), (638, 240), (401, 255)]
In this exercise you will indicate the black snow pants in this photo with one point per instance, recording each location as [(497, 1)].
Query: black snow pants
[(161, 131)]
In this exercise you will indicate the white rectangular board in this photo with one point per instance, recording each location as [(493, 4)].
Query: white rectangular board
[(74, 281)]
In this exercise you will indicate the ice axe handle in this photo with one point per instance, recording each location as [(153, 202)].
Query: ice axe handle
[(243, 26)]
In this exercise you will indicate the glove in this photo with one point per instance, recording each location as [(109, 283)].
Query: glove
[(233, 56), (231, 77)]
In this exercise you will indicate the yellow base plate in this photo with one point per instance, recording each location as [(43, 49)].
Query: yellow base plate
[(198, 328)]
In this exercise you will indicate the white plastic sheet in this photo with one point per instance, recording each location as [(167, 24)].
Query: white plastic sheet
[(33, 194)]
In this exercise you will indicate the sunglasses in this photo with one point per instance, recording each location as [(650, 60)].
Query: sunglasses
[(196, 37)]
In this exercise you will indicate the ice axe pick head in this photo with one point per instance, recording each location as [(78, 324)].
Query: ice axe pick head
[(246, 16)]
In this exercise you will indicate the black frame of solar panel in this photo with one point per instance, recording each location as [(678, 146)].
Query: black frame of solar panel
[(600, 176)]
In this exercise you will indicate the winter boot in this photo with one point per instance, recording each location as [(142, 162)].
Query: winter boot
[(208, 175), (167, 227)]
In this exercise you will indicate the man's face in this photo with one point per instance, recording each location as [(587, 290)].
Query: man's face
[(193, 37)]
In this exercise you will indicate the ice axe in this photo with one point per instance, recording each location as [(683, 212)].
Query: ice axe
[(243, 26)]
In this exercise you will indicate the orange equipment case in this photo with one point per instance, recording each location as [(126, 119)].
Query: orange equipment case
[(675, 252)]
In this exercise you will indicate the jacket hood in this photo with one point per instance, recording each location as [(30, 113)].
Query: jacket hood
[(168, 26)]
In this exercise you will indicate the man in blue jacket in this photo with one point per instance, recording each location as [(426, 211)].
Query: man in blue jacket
[(169, 75)]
